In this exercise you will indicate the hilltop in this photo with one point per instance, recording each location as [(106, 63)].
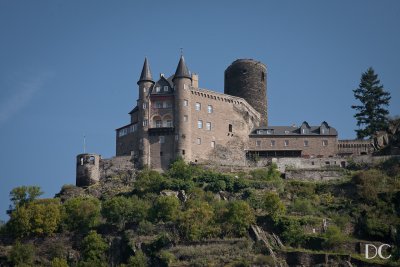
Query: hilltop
[(199, 216)]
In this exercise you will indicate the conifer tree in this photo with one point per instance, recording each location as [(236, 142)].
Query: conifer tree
[(372, 112)]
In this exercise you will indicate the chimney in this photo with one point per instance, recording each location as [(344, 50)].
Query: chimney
[(195, 80)]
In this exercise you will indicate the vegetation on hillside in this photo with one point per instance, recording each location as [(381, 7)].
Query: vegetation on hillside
[(179, 217)]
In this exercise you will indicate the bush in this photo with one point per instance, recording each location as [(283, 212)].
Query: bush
[(94, 248), (197, 222), (166, 258), (166, 208), (22, 254), (238, 218), (81, 214), (303, 206), (57, 262), (149, 181), (39, 217), (183, 171), (291, 231), (139, 260), (368, 184), (119, 210), (333, 237)]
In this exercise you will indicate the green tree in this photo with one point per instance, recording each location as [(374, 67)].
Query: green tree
[(57, 262), (372, 113), (119, 210), (149, 181), (166, 208), (93, 250), (273, 205), (139, 260), (24, 194), (22, 254), (197, 222), (81, 213), (39, 217), (238, 218)]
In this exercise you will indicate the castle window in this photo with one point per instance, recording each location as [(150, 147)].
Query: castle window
[(198, 141), (144, 105), (185, 86), (185, 118), (208, 126), (286, 132), (161, 139), (325, 142), (305, 142), (258, 143), (185, 103), (169, 123), (158, 89), (161, 153), (286, 142), (200, 124), (144, 122), (145, 89), (210, 109), (269, 131), (165, 88), (91, 160), (158, 123), (212, 144), (272, 142), (262, 76), (176, 137), (230, 128), (198, 106), (304, 131), (183, 151), (158, 104)]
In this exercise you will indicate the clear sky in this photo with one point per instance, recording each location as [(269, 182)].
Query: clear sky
[(69, 68)]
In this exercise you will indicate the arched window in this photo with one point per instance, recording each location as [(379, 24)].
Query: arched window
[(167, 121), (157, 122)]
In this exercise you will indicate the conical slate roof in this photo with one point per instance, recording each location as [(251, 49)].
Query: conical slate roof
[(182, 70), (145, 76)]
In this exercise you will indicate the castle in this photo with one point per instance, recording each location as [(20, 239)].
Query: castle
[(174, 117)]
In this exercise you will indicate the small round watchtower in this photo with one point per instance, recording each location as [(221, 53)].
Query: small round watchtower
[(87, 169), (247, 78)]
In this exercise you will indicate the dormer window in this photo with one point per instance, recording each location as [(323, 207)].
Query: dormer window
[(165, 88), (286, 132), (304, 131), (158, 89)]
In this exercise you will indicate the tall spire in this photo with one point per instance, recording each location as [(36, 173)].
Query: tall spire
[(145, 76), (182, 70)]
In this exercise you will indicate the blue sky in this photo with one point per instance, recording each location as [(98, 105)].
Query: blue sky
[(69, 68)]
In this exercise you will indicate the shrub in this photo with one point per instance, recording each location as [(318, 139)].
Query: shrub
[(183, 171), (333, 237), (94, 248), (81, 214), (139, 260), (197, 222), (272, 204), (39, 217), (166, 258), (149, 181), (238, 218), (120, 209), (368, 184), (302, 205), (166, 208), (57, 262), (291, 231), (22, 254)]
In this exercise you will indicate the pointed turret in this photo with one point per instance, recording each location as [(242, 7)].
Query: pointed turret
[(182, 70), (145, 76)]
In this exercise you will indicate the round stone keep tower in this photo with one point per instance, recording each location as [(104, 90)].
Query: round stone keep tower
[(247, 78), (87, 169)]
